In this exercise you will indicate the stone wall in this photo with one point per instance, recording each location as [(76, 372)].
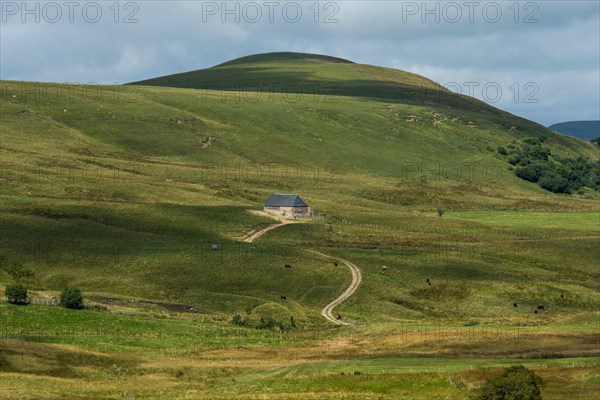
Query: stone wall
[(290, 212)]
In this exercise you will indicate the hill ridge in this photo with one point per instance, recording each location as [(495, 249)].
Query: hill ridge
[(585, 130), (314, 74), (282, 56)]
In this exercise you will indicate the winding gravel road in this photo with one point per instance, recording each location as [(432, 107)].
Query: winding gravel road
[(327, 311), (257, 234)]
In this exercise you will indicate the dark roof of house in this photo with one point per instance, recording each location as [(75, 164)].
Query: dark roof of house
[(285, 200)]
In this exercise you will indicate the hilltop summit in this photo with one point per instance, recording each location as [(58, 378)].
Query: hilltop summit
[(286, 57)]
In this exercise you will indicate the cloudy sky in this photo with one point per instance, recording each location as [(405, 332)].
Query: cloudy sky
[(537, 59)]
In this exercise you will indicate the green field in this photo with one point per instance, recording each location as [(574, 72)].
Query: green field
[(111, 189)]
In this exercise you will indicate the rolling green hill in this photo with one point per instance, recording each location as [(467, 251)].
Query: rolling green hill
[(122, 191), (289, 76)]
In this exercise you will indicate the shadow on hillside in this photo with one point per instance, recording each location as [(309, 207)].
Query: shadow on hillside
[(264, 83)]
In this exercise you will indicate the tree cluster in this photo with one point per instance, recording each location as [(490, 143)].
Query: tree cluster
[(535, 162)]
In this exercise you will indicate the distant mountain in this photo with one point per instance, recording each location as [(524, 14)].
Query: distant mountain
[(586, 130)]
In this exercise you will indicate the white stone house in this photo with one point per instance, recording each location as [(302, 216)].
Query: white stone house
[(288, 205)]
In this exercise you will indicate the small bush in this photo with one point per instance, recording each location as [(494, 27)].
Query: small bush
[(441, 210), (516, 382), (16, 293), (238, 320), (524, 161), (512, 159), (71, 298)]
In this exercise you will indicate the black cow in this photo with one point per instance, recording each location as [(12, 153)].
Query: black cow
[(288, 266), (283, 297), (514, 304)]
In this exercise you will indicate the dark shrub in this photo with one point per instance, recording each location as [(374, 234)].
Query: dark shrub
[(441, 210), (71, 298), (539, 153), (555, 183), (238, 320), (533, 172), (16, 293), (515, 383)]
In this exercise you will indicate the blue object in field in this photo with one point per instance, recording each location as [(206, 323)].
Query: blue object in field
[(215, 247)]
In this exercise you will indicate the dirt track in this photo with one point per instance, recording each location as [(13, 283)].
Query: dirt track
[(255, 235), (327, 311)]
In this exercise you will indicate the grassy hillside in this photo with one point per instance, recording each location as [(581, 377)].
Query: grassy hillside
[(122, 191), (125, 174), (291, 76)]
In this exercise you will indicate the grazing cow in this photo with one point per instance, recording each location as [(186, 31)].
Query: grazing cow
[(339, 316), (335, 264), (283, 297), (514, 304), (562, 296), (428, 282), (540, 308), (535, 311), (288, 266)]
